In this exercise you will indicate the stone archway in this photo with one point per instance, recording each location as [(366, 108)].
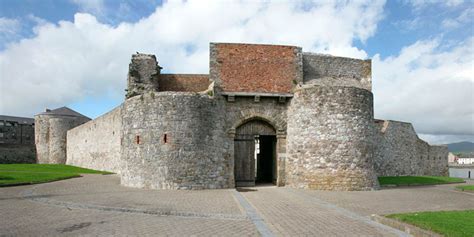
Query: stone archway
[(255, 153)]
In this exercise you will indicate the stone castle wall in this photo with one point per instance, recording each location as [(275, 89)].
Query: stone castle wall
[(327, 70), (50, 136), (330, 144), (176, 134), (96, 144), (175, 140), (399, 152)]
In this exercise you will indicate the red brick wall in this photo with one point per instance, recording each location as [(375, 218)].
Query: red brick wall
[(183, 82), (255, 68)]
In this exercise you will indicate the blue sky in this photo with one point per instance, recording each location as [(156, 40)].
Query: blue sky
[(76, 52)]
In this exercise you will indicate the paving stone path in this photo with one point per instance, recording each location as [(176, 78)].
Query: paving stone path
[(96, 205)]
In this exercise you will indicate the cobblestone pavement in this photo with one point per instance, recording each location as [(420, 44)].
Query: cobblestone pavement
[(96, 205)]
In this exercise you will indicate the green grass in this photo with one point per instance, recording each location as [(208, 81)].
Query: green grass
[(19, 174), (469, 188), (416, 180), (447, 223)]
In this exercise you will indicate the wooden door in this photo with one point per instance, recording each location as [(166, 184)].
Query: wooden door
[(244, 150), (244, 167)]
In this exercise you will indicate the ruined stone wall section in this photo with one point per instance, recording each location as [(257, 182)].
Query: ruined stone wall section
[(143, 75), (399, 152), (329, 70), (50, 136), (329, 139), (96, 144), (175, 140)]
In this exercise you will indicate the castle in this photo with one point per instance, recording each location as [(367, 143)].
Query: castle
[(264, 113)]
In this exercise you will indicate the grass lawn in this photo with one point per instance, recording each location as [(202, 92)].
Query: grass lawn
[(18, 174), (447, 223), (416, 180), (469, 188)]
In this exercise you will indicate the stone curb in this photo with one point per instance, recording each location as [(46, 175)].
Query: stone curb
[(407, 228), (416, 184)]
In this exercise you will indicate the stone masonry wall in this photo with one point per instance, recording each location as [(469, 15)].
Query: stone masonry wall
[(255, 68), (175, 140), (96, 144), (42, 138), (17, 154), (329, 70), (400, 152), (330, 146), (184, 82)]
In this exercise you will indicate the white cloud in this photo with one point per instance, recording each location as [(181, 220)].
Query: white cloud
[(95, 7), (428, 86), (464, 18), (8, 26), (9, 29), (419, 4), (68, 61)]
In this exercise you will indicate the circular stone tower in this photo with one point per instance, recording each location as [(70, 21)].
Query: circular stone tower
[(50, 133), (174, 140), (330, 139)]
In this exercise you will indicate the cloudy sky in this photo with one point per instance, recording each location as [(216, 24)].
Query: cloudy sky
[(76, 52)]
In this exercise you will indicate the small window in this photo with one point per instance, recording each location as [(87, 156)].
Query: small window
[(1, 134), (2, 123)]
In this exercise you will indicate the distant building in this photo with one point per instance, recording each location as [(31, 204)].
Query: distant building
[(17, 130), (465, 161), (17, 143), (452, 158)]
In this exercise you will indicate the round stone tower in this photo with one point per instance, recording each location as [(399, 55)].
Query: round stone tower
[(51, 129), (174, 140), (330, 139)]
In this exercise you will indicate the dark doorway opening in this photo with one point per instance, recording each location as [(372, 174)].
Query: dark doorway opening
[(255, 154), (266, 165)]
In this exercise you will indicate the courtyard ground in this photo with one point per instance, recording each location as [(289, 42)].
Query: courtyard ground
[(98, 205)]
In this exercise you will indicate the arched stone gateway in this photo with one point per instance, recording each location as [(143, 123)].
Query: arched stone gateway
[(255, 153)]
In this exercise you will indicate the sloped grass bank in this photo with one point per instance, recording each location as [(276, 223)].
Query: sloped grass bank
[(394, 181), (447, 223), (21, 174)]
